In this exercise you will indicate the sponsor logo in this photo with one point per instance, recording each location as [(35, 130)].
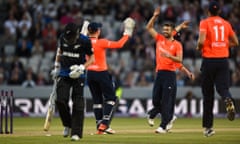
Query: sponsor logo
[(69, 54), (194, 107)]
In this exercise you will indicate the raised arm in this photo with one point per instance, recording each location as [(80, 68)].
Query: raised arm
[(129, 25), (114, 44), (150, 24), (183, 25)]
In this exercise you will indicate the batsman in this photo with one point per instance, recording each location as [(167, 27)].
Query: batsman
[(69, 68)]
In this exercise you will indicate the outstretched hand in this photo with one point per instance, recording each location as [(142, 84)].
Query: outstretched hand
[(157, 11), (185, 24), (129, 25)]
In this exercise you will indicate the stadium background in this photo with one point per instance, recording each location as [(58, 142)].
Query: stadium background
[(29, 30)]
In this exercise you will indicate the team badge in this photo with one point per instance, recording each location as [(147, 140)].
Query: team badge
[(76, 46)]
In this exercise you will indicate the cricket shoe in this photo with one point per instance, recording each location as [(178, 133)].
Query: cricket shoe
[(170, 124), (150, 121), (160, 130), (102, 128), (66, 131), (75, 138), (208, 132), (230, 109), (109, 131)]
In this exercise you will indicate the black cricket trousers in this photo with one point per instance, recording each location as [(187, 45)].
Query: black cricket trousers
[(74, 119), (215, 71), (164, 96), (103, 93)]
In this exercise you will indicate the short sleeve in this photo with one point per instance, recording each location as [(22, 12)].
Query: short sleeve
[(179, 65), (159, 37)]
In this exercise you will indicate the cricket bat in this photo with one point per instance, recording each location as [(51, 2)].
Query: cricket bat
[(51, 108), (84, 29)]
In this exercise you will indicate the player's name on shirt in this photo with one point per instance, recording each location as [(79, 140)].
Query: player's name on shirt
[(219, 44)]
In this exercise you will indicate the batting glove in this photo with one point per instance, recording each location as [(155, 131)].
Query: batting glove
[(76, 71), (129, 25), (80, 67)]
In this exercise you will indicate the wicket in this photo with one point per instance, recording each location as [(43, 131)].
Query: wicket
[(6, 106)]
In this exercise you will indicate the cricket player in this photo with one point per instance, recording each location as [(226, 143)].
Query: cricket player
[(169, 55), (70, 64), (216, 36), (98, 77)]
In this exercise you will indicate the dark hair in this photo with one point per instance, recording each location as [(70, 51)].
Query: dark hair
[(169, 24), (214, 8), (93, 27)]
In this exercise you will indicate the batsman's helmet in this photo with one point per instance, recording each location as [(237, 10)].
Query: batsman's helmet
[(71, 32)]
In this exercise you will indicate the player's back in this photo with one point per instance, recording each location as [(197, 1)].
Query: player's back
[(218, 32), (100, 55)]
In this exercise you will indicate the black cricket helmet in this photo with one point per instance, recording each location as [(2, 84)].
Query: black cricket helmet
[(71, 33)]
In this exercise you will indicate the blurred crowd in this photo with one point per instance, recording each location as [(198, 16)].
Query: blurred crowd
[(30, 29)]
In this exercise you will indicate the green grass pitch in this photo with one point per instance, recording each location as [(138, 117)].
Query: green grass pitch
[(129, 131)]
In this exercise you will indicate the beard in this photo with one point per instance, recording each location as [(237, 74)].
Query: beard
[(167, 35)]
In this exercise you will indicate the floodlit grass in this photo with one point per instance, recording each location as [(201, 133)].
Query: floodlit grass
[(129, 131)]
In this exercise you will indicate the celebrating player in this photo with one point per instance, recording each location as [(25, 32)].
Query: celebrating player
[(98, 77), (168, 59), (216, 36), (69, 68)]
